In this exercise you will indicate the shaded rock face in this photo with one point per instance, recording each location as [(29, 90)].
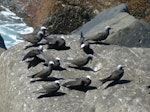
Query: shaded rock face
[(36, 12), (127, 31), (68, 19), (130, 94), (2, 44)]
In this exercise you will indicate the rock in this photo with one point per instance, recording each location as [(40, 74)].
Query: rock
[(68, 19), (2, 44), (127, 31), (131, 94)]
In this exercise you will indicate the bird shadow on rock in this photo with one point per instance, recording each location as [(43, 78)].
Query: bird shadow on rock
[(118, 82), (57, 94), (81, 68), (100, 43), (48, 79), (34, 62), (58, 48), (82, 88), (59, 69), (34, 45)]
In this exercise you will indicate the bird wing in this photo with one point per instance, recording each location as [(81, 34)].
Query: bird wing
[(115, 75), (42, 73), (78, 61), (76, 82), (51, 88)]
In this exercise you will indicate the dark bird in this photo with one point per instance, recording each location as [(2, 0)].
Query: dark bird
[(49, 89), (86, 48), (81, 61), (115, 76), (100, 36), (58, 43), (45, 72), (81, 40), (43, 29), (78, 83), (34, 37), (33, 53), (55, 60)]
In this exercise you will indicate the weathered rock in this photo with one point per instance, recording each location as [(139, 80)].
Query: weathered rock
[(68, 19), (127, 31), (129, 95), (2, 44)]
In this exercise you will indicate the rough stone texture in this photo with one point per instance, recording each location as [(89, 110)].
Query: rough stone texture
[(129, 95), (127, 31), (35, 11)]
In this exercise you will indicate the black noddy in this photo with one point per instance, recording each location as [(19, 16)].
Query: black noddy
[(45, 72), (55, 60), (116, 75), (49, 89), (81, 40), (33, 53), (86, 47), (82, 61), (78, 82), (34, 39), (56, 42), (43, 29), (100, 36)]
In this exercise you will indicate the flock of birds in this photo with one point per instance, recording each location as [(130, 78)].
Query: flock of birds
[(52, 63)]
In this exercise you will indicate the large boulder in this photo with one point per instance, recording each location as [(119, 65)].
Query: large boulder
[(2, 45), (127, 31), (130, 94)]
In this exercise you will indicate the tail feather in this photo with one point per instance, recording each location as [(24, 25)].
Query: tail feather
[(40, 91), (32, 76), (24, 58), (104, 80)]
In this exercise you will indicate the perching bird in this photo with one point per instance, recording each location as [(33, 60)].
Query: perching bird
[(45, 72), (78, 83), (81, 61), (33, 53), (49, 89), (86, 48), (99, 36), (81, 40), (56, 42), (35, 37), (115, 76), (55, 60)]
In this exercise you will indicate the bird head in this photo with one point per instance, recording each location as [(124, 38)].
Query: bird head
[(50, 63), (108, 28), (90, 57), (119, 67), (62, 37), (57, 82), (40, 48), (85, 44), (57, 58), (89, 77), (43, 28)]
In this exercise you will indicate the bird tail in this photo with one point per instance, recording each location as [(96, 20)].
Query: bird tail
[(104, 80), (24, 58), (32, 76), (39, 91)]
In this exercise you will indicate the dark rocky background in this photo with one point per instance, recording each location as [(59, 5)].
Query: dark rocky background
[(64, 16), (128, 44)]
